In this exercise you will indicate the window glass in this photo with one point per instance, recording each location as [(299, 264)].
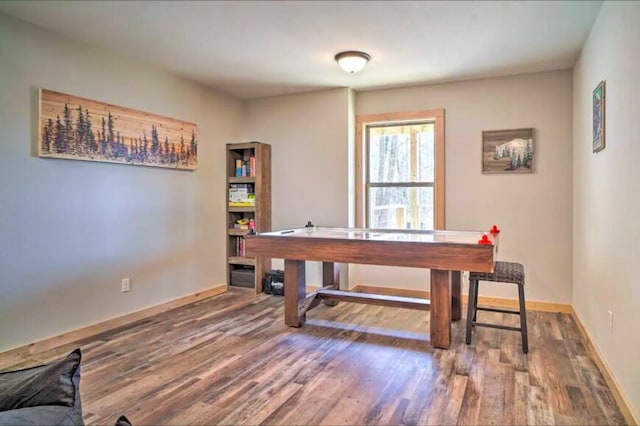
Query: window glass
[(389, 158), (401, 208), (401, 153), (426, 159)]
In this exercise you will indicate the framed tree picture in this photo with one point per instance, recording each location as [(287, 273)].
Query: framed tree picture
[(599, 117), (507, 151)]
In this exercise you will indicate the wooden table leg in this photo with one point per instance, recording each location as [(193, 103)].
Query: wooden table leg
[(440, 308), (331, 274), (294, 292), (456, 295), (331, 277)]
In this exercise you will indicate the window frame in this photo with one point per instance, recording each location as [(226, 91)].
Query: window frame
[(362, 124)]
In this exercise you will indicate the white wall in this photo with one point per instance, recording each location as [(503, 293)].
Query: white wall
[(533, 210), (71, 230), (606, 203), (309, 136)]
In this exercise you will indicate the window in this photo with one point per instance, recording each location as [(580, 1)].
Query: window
[(401, 171)]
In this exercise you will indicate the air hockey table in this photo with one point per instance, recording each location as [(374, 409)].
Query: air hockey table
[(446, 253)]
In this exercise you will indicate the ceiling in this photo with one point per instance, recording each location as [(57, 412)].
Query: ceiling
[(250, 49)]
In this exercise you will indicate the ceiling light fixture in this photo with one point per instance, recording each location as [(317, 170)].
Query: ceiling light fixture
[(352, 61)]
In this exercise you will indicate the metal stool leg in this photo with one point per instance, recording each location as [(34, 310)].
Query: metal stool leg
[(475, 300), (523, 320), (471, 307)]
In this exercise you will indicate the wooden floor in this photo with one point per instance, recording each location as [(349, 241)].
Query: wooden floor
[(230, 360)]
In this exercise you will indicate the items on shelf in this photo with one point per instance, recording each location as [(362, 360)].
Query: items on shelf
[(242, 223), (246, 166), (240, 246), (242, 195), (243, 277)]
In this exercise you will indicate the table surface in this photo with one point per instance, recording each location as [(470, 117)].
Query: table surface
[(439, 236)]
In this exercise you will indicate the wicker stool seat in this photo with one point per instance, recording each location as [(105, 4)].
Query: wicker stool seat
[(504, 272)]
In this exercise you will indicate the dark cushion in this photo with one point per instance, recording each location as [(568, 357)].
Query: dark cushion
[(56, 383), (123, 421), (43, 415)]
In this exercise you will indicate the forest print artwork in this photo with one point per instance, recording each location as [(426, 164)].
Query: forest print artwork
[(81, 129), (507, 151)]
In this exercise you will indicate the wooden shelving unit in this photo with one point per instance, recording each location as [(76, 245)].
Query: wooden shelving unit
[(258, 178)]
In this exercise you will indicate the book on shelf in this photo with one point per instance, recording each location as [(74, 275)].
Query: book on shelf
[(238, 168), (252, 166), (242, 195), (240, 246), (247, 166)]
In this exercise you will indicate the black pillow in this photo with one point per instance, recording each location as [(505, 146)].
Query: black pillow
[(123, 421), (51, 384)]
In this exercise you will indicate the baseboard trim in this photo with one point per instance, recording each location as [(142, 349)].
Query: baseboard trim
[(19, 354), (622, 401), (489, 301)]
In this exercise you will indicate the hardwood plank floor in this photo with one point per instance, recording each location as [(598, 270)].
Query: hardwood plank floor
[(230, 359)]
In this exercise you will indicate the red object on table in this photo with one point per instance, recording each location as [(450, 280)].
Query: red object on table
[(485, 240), (494, 229)]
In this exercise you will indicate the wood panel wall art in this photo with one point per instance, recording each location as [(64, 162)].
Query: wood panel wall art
[(71, 127), (508, 151)]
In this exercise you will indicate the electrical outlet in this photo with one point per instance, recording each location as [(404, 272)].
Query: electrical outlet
[(126, 285), (610, 321)]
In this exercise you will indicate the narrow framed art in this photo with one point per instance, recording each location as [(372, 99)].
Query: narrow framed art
[(508, 151), (599, 98), (76, 128)]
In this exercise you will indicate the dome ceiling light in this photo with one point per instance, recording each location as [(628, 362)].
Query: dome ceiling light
[(352, 61)]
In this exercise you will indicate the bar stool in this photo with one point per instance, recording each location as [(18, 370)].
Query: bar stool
[(504, 272)]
